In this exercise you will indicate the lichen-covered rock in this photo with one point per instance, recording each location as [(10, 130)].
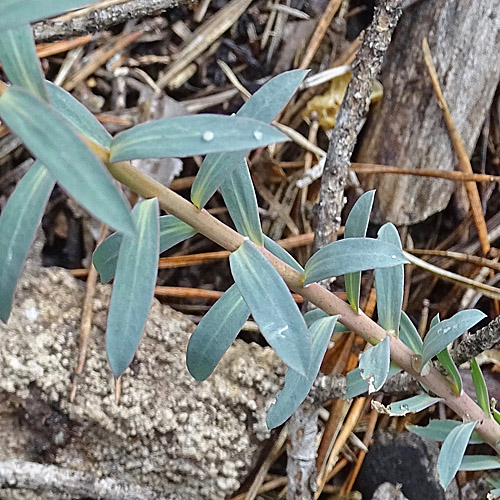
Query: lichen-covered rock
[(169, 432)]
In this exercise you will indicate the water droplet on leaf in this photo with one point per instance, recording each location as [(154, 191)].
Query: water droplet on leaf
[(258, 135), (208, 136)]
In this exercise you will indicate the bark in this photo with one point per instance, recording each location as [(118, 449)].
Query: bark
[(49, 478), (475, 343), (407, 128), (100, 18), (301, 465), (350, 120)]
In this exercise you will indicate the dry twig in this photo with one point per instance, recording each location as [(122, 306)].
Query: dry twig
[(19, 474)]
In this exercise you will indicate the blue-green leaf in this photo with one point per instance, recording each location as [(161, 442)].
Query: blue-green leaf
[(78, 115), (192, 135), (18, 222), (450, 367), (410, 405), (355, 227), (272, 306), (297, 386), (264, 105), (172, 232), (408, 334), (437, 430), (479, 463), (134, 287), (389, 284), (483, 399), (16, 12), (20, 61), (281, 253), (452, 451), (240, 199), (270, 99), (357, 385), (54, 142), (445, 332), (314, 315), (215, 333), (215, 169), (374, 365), (351, 255)]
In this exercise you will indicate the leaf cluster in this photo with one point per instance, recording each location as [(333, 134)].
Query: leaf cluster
[(73, 149)]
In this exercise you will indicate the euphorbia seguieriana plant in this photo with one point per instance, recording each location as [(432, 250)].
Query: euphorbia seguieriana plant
[(73, 149)]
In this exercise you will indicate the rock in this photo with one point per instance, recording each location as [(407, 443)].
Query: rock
[(387, 491), (404, 459), (169, 432)]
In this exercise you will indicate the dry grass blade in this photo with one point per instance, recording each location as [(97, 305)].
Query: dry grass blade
[(87, 314), (198, 293), (273, 455), (460, 257), (463, 158), (370, 429), (487, 290), (372, 168), (320, 31), (349, 425), (101, 56), (269, 486), (203, 37), (51, 49)]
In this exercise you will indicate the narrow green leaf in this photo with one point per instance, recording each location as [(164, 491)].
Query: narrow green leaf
[(215, 333), (272, 97), (53, 141), (357, 385), (215, 169), (445, 332), (134, 287), (410, 405), (281, 253), (297, 386), (172, 232), (444, 358), (314, 315), (240, 199), (311, 316), (437, 430), (389, 285), (192, 135), (479, 462), (78, 115), (483, 399), (15, 12), (351, 255), (18, 222), (20, 61), (374, 365), (272, 306), (355, 227), (408, 334), (434, 321), (496, 415), (452, 451), (264, 105)]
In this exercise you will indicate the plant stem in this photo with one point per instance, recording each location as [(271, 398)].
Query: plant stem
[(229, 239)]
